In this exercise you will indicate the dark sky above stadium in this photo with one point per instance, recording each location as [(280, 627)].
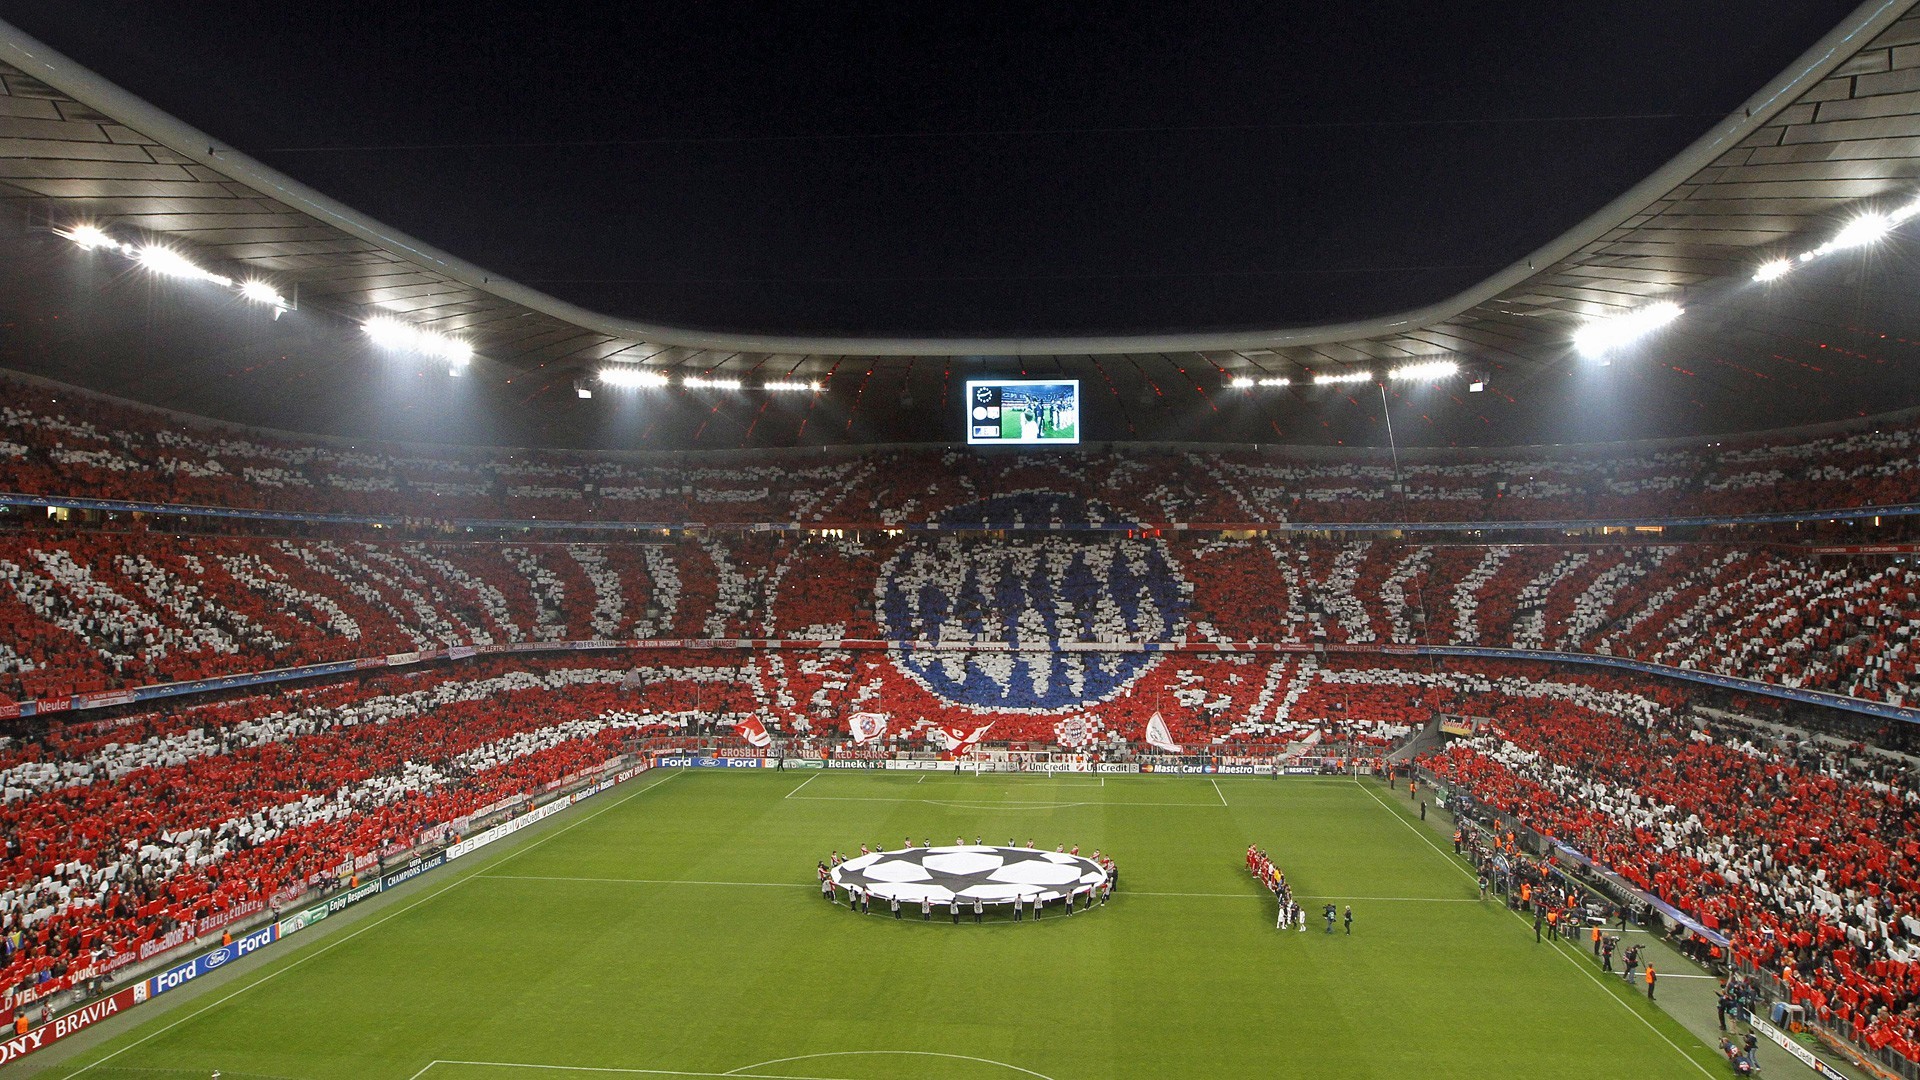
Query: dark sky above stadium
[(961, 169)]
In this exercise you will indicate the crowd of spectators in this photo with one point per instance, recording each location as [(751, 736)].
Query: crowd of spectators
[(1804, 851), (91, 610), (118, 834), (65, 442)]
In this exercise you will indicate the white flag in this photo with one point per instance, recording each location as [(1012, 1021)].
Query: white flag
[(867, 726), (1158, 736)]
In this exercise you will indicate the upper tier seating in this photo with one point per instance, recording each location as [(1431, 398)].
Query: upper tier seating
[(72, 444)]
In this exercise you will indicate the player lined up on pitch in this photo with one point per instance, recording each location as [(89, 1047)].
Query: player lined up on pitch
[(967, 879), (1291, 913)]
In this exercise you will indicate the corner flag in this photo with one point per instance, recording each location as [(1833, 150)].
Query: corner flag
[(1158, 736)]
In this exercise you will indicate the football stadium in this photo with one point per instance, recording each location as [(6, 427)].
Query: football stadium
[(976, 543)]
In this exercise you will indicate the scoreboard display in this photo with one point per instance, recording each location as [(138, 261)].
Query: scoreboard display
[(1023, 412)]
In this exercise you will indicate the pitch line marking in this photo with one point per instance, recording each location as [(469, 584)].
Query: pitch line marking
[(1563, 955), (1008, 804), (600, 1069), (742, 1070), (1217, 791), (650, 881), (804, 783), (357, 931)]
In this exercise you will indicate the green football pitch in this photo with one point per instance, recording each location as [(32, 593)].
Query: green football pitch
[(673, 927)]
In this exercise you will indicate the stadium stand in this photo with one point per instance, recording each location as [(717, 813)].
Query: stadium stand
[(67, 443), (93, 610), (1802, 850)]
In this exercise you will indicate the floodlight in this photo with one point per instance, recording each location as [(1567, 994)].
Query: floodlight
[(1775, 269), (1344, 377), (170, 263), (1426, 371), (1600, 336), (90, 237), (262, 293), (1860, 232), (631, 378), (1240, 383), (701, 383)]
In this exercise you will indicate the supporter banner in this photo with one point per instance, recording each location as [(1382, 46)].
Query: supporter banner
[(239, 911), (172, 939), (402, 659), (181, 974), (1864, 549), (1800, 1053), (102, 699), (413, 870), (78, 1020), (460, 652)]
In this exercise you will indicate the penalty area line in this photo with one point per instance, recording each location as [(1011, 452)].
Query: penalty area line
[(1217, 791), (804, 783)]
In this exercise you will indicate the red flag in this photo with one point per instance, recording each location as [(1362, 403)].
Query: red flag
[(752, 730)]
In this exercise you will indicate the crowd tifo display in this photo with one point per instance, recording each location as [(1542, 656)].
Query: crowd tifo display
[(1013, 618), (61, 442), (85, 611), (120, 833)]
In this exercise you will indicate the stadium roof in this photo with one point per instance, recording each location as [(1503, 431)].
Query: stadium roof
[(1835, 135)]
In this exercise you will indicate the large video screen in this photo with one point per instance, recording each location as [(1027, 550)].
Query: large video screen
[(1023, 412)]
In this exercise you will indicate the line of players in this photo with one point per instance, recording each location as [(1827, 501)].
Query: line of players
[(1291, 913), (861, 901)]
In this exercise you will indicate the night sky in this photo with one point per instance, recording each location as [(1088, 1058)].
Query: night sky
[(967, 169)]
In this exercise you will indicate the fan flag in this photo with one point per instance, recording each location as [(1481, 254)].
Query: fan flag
[(752, 730), (953, 742), (1158, 736), (867, 726)]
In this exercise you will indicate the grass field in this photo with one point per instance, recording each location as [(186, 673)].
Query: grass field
[(672, 927)]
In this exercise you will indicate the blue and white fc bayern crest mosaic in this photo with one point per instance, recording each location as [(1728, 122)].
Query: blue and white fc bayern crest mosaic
[(1033, 591)]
